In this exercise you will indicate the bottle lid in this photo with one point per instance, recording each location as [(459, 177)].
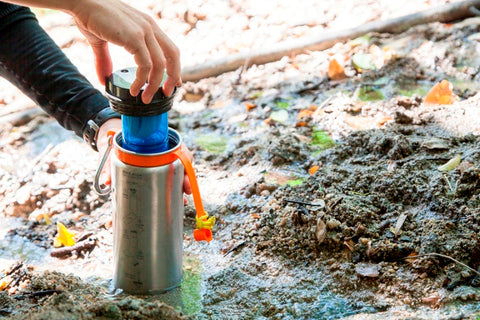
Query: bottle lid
[(117, 88)]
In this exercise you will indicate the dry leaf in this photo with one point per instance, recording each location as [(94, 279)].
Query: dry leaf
[(256, 216), (335, 70), (441, 93), (304, 113), (301, 124), (193, 97), (313, 169), (321, 231), (384, 120), (432, 300), (47, 218), (64, 237), (411, 257), (399, 224), (250, 106)]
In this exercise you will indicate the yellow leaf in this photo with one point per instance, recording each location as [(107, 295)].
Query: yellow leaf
[(441, 93), (47, 218), (451, 164), (64, 237)]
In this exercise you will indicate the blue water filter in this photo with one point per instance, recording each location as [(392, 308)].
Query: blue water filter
[(145, 134), (144, 126)]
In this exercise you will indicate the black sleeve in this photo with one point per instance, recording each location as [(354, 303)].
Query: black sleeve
[(32, 61)]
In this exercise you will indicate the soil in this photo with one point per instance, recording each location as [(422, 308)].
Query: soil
[(328, 195)]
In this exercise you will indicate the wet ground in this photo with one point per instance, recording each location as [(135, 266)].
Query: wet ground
[(328, 194)]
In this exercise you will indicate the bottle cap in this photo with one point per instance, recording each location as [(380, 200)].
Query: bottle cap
[(117, 88)]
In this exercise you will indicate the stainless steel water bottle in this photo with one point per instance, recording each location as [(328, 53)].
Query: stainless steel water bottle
[(148, 164)]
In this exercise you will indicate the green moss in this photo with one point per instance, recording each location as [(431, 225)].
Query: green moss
[(321, 140), (369, 93), (212, 143)]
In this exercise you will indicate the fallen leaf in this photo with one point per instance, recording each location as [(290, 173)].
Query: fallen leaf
[(304, 113), (280, 116), (432, 300), (256, 216), (441, 93), (47, 218), (335, 70), (451, 164), (384, 120), (363, 61), (301, 124), (64, 237), (398, 226), (349, 244), (250, 106), (193, 97), (411, 257), (321, 231), (313, 169)]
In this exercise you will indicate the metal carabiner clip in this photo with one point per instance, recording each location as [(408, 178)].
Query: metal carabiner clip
[(96, 185)]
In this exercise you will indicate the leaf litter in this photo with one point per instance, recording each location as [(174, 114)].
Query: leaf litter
[(389, 236)]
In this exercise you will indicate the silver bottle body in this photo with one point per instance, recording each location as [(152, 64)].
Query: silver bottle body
[(148, 226)]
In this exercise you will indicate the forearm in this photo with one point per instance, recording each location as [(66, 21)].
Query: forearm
[(33, 62), (64, 5)]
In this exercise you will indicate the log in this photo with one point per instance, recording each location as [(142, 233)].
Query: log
[(445, 13)]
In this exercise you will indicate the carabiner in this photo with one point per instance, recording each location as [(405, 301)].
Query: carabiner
[(96, 185)]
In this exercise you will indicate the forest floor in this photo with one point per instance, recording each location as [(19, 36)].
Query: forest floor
[(330, 198)]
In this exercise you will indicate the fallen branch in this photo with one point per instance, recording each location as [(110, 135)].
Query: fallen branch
[(79, 249), (446, 13)]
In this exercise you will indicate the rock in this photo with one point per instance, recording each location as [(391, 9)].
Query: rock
[(367, 270)]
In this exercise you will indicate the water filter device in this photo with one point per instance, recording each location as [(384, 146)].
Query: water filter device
[(148, 164)]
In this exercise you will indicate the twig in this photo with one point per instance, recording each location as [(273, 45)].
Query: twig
[(446, 257), (80, 248), (235, 248), (452, 189), (37, 294), (304, 203), (474, 10), (446, 13)]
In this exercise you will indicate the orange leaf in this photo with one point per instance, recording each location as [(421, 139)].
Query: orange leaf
[(304, 113), (441, 93), (301, 124), (384, 120), (313, 169), (256, 216), (336, 70), (250, 106)]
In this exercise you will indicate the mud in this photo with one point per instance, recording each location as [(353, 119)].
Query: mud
[(328, 194)]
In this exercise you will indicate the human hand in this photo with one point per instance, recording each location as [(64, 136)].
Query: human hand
[(116, 22)]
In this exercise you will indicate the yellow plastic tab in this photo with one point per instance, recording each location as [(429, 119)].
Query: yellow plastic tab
[(205, 222)]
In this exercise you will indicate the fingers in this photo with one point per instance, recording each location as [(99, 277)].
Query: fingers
[(103, 61), (187, 188), (152, 57), (156, 72)]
